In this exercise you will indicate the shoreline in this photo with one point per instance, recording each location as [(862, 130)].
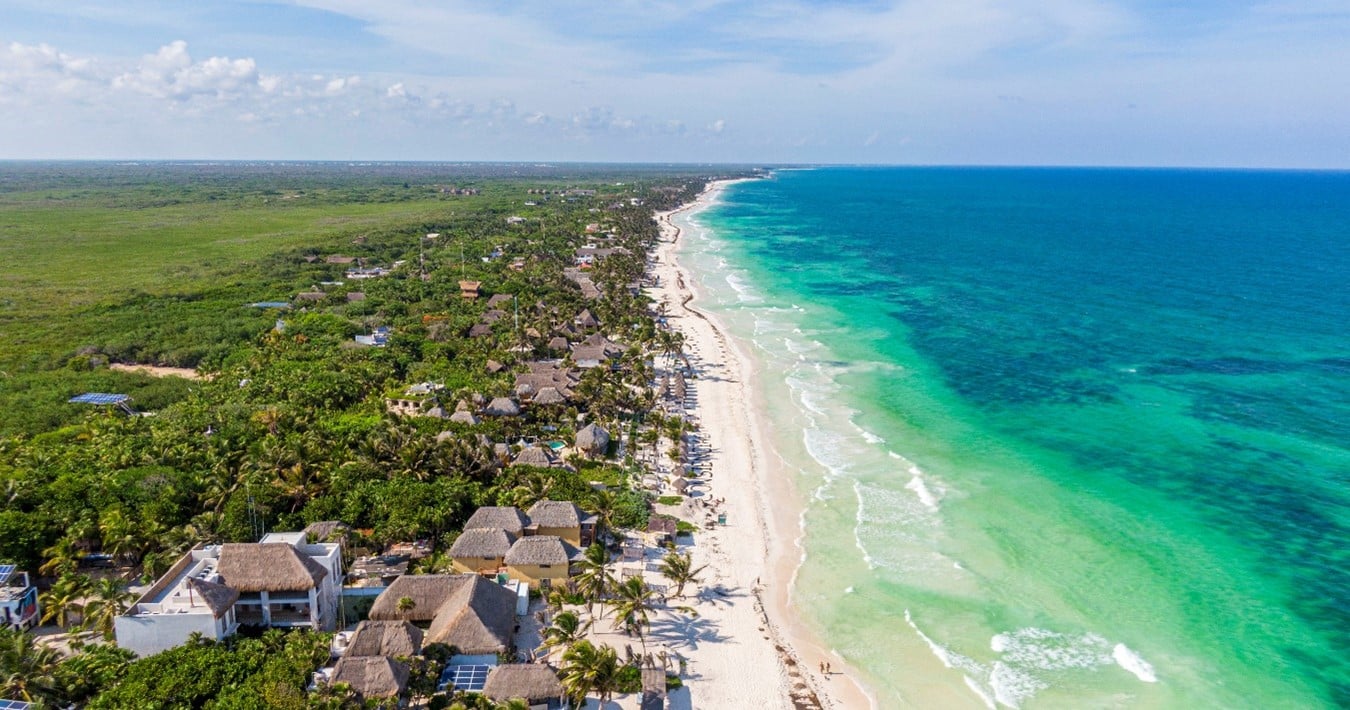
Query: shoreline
[(732, 414)]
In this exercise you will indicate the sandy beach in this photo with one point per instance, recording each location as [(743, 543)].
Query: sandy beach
[(749, 649)]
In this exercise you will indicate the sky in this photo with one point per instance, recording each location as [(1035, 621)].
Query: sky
[(1220, 83)]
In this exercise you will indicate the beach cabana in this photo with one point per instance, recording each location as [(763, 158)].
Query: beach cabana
[(463, 416), (593, 440), (372, 676), (540, 456), (395, 639), (549, 396), (535, 683), (502, 407)]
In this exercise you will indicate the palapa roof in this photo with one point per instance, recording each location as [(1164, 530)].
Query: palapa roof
[(508, 518), (558, 343), (662, 524), (372, 676), (494, 367), (479, 330), (385, 638), (531, 681), (680, 484), (217, 597), (465, 610), (599, 340), (549, 395), (586, 319), (482, 542), (268, 566), (539, 456), (499, 299), (558, 514), (590, 352), (592, 438), (503, 407), (464, 416), (540, 550)]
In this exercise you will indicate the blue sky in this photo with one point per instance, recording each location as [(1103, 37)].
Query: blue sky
[(1057, 82)]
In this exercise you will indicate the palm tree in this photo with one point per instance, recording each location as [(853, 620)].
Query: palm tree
[(406, 606), (566, 630), (587, 668), (532, 489), (27, 671), (62, 558), (65, 598), (604, 502), (593, 577), (108, 602), (632, 607), (680, 570)]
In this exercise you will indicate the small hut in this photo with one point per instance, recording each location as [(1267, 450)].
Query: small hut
[(549, 395), (586, 319), (535, 683), (502, 407), (540, 456), (464, 416), (385, 638), (372, 676), (680, 485), (559, 343), (593, 440)]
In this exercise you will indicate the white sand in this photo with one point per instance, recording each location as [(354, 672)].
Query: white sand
[(745, 649)]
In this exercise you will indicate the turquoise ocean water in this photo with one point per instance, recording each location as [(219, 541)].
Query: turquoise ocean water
[(1068, 438)]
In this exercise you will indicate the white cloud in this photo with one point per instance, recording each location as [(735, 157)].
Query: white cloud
[(170, 73)]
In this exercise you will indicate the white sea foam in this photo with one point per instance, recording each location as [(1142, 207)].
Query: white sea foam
[(1134, 663), (925, 496)]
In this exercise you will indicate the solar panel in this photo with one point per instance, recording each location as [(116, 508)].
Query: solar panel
[(99, 398), (270, 304), (14, 705), (6, 571), (470, 678)]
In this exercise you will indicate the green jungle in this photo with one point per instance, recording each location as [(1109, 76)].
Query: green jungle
[(253, 280)]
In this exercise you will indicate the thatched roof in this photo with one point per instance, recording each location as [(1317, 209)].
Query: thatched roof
[(502, 407), (681, 484), (540, 550), (662, 524), (462, 416), (217, 597), (586, 319), (558, 343), (465, 610), (558, 514), (549, 395), (499, 299), (372, 676), (593, 439), (268, 566), (437, 412), (479, 617), (494, 367), (327, 531), (508, 518), (525, 389), (385, 638), (583, 353), (482, 542), (540, 456), (534, 682), (479, 330)]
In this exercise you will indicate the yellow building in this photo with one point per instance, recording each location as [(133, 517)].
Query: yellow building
[(562, 519), (481, 550), (540, 561)]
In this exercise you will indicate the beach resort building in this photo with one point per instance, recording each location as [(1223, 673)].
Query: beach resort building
[(535, 683), (541, 561), (481, 550), (280, 582), (563, 519), (467, 611), (372, 677)]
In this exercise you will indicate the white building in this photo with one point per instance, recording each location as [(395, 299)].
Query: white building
[(279, 582), (18, 600)]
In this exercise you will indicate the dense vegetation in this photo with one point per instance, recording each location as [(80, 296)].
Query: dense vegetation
[(155, 265)]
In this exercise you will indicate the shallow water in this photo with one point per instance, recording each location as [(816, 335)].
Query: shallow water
[(1069, 437)]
